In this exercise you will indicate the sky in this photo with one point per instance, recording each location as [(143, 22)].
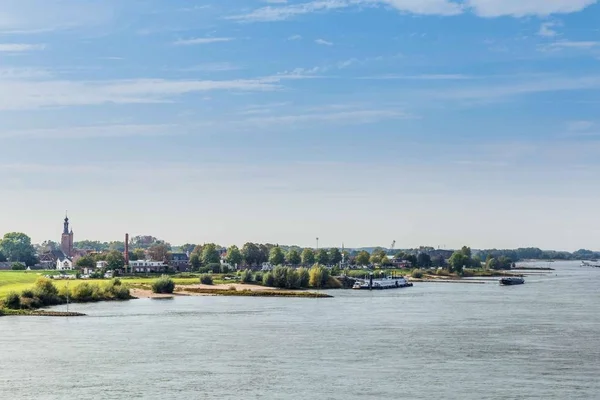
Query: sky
[(428, 122)]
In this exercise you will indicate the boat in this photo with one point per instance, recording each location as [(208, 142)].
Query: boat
[(592, 263), (512, 281), (380, 284)]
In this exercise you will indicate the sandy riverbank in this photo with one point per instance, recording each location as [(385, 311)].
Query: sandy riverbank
[(195, 290)]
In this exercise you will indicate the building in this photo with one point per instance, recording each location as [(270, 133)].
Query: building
[(180, 262), (63, 263), (147, 266), (66, 242), (63, 258)]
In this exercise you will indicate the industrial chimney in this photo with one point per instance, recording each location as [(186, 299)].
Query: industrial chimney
[(126, 251)]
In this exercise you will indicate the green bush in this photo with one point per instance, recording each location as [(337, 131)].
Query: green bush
[(292, 279), (215, 268), (303, 277), (246, 276), (279, 276), (268, 279), (31, 303), (12, 301), (164, 284), (204, 270), (83, 293), (17, 266), (333, 283), (258, 277), (417, 274), (206, 279), (318, 276), (28, 294), (46, 292)]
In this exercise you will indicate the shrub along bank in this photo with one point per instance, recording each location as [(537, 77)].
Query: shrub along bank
[(317, 277), (44, 293)]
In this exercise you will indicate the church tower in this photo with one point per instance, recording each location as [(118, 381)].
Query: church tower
[(66, 242)]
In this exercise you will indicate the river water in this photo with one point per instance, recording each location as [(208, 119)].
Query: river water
[(540, 340)]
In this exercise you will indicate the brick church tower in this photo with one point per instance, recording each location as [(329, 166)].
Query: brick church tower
[(66, 242)]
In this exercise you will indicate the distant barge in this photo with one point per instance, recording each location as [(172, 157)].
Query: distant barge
[(380, 284), (512, 281)]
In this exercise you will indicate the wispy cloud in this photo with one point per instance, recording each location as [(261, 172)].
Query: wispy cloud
[(547, 29), (28, 94), (295, 37), (37, 16), (353, 116), (323, 42), (522, 8), (96, 131), (212, 67), (20, 47), (567, 44), (424, 77), (496, 91), (483, 8), (423, 7), (207, 40)]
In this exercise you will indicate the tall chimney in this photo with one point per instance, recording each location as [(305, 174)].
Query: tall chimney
[(126, 251)]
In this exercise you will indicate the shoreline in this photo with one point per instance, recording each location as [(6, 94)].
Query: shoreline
[(234, 290)]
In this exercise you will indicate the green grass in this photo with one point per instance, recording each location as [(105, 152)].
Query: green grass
[(17, 281)]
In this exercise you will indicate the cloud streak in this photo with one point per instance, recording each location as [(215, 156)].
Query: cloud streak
[(27, 94), (20, 47), (198, 41), (482, 8)]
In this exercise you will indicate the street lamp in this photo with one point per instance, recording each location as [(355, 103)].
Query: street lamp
[(317, 244)]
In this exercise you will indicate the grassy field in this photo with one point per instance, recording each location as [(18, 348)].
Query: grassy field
[(17, 281)]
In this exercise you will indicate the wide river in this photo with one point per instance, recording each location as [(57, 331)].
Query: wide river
[(540, 340)]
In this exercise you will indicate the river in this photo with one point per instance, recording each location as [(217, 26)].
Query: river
[(540, 340)]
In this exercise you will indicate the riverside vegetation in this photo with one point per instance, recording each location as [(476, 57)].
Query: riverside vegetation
[(44, 293)]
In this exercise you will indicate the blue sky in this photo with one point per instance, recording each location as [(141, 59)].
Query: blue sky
[(428, 122)]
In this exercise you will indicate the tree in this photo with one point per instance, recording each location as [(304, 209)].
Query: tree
[(234, 256), (115, 260), (458, 261), (318, 276), (195, 262), (265, 252), (3, 257), (308, 257), (210, 254), (251, 254), (17, 246), (276, 257), (187, 248), (424, 260), (49, 245), (159, 252), (412, 259), (476, 262), (17, 266), (90, 245), (335, 256), (86, 261), (439, 261), (138, 254), (466, 251), (322, 257), (377, 257), (293, 257), (363, 258)]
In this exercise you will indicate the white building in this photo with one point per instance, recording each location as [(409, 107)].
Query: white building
[(101, 264), (147, 266), (64, 264)]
